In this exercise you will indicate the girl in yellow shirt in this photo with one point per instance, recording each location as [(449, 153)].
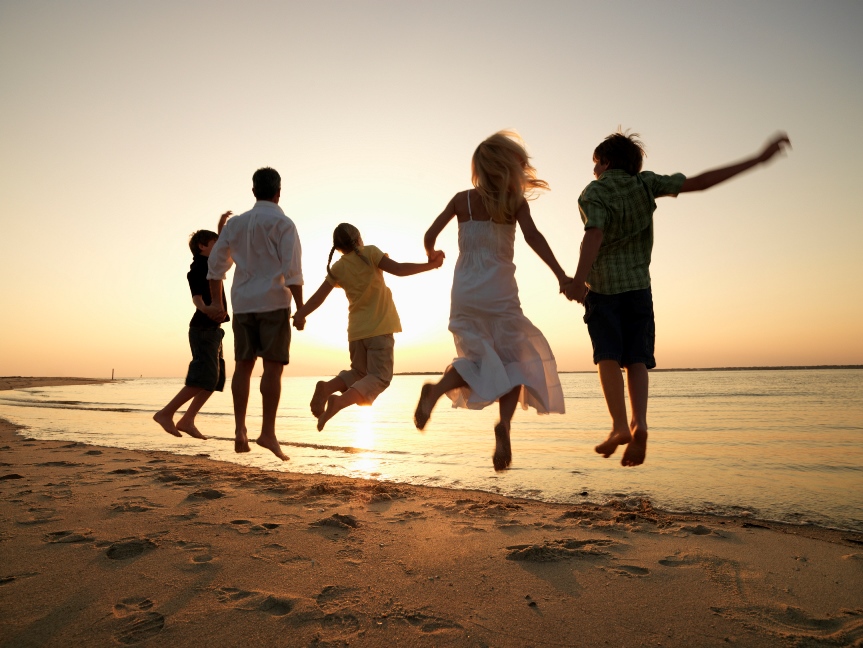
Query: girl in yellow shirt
[(372, 320)]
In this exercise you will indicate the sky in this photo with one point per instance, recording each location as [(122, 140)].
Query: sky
[(125, 127)]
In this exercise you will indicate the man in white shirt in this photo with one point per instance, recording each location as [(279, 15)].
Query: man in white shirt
[(264, 245)]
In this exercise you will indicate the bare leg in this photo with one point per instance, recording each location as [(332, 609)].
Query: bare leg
[(637, 380), (431, 393), (337, 403), (502, 456), (187, 421), (165, 416), (323, 390), (271, 392), (611, 380), (240, 391)]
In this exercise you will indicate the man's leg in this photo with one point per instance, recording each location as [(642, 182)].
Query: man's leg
[(431, 393), (165, 416), (271, 392), (611, 380), (187, 421), (507, 403), (240, 385), (637, 380)]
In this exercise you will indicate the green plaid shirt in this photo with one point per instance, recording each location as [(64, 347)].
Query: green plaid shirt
[(622, 206)]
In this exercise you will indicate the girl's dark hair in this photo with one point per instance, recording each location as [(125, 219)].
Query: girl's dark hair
[(622, 151), (346, 239), (201, 237)]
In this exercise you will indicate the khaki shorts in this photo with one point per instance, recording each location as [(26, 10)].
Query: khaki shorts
[(371, 366), (265, 335)]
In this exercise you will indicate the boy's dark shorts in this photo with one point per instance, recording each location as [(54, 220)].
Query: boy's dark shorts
[(621, 327), (207, 368), (266, 335)]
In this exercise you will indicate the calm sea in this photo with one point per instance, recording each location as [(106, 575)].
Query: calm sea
[(776, 445)]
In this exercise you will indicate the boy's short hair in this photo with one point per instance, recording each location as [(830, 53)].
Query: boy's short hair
[(201, 237), (622, 151), (266, 183)]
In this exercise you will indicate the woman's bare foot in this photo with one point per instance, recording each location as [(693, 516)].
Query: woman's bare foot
[(241, 442), (167, 423), (272, 444), (190, 429), (423, 410), (636, 450), (319, 399), (616, 438), (502, 456)]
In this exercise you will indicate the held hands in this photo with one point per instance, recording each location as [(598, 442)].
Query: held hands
[(436, 258), (780, 143), (215, 312), (300, 319), (574, 291)]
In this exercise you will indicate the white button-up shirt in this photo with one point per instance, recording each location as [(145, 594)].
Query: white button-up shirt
[(265, 245)]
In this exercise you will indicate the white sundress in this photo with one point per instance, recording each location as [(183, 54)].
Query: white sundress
[(498, 347)]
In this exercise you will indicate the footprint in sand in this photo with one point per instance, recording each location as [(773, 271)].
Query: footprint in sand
[(207, 493), (255, 601), (126, 549), (631, 570), (137, 621), (554, 550), (338, 521), (66, 537)]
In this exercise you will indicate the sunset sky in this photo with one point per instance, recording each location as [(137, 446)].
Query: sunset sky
[(126, 126)]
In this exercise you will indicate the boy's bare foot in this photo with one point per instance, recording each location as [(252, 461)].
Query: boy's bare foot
[(190, 429), (423, 410), (327, 413), (635, 451), (319, 399), (502, 456), (607, 447), (241, 442), (273, 446), (167, 423)]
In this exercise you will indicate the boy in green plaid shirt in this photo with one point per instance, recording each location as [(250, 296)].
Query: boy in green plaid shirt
[(613, 275)]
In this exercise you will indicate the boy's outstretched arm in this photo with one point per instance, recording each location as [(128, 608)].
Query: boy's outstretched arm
[(386, 264), (714, 177), (577, 289), (304, 310)]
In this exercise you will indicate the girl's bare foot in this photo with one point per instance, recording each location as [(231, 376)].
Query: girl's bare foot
[(636, 450), (241, 442), (272, 444), (319, 399), (502, 456), (616, 438), (423, 410), (190, 429), (167, 423), (328, 413)]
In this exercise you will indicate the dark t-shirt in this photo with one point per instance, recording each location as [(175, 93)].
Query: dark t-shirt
[(199, 285)]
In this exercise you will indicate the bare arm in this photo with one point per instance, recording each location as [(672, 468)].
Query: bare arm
[(315, 301), (222, 220), (212, 311), (537, 242), (714, 177), (589, 251), (437, 227), (216, 304), (386, 264)]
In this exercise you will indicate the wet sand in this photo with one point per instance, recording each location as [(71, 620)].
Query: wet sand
[(104, 546)]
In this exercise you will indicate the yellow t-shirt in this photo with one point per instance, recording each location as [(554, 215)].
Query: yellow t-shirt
[(371, 310)]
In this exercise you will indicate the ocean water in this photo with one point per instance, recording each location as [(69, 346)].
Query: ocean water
[(775, 445)]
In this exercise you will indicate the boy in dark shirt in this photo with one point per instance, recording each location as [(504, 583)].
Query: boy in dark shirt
[(207, 370)]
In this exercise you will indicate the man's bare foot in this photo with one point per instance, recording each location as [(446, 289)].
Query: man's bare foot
[(328, 413), (190, 429), (635, 451), (241, 442), (273, 446), (319, 399), (167, 423), (423, 410), (607, 447), (502, 456)]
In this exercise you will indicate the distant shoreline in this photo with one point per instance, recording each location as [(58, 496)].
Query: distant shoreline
[(780, 368)]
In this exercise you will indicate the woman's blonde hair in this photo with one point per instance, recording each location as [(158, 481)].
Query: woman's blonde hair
[(503, 176)]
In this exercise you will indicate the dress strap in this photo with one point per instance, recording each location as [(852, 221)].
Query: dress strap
[(469, 212)]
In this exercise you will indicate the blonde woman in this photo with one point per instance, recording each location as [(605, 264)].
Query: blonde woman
[(502, 356)]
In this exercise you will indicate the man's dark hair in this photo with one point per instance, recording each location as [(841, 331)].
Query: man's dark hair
[(201, 237), (266, 183), (622, 151)]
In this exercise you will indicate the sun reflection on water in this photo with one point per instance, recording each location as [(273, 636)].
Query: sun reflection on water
[(366, 464)]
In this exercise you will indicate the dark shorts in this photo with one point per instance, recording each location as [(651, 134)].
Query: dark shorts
[(621, 327), (207, 368), (265, 335)]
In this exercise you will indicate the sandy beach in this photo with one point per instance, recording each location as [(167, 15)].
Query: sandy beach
[(103, 546)]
